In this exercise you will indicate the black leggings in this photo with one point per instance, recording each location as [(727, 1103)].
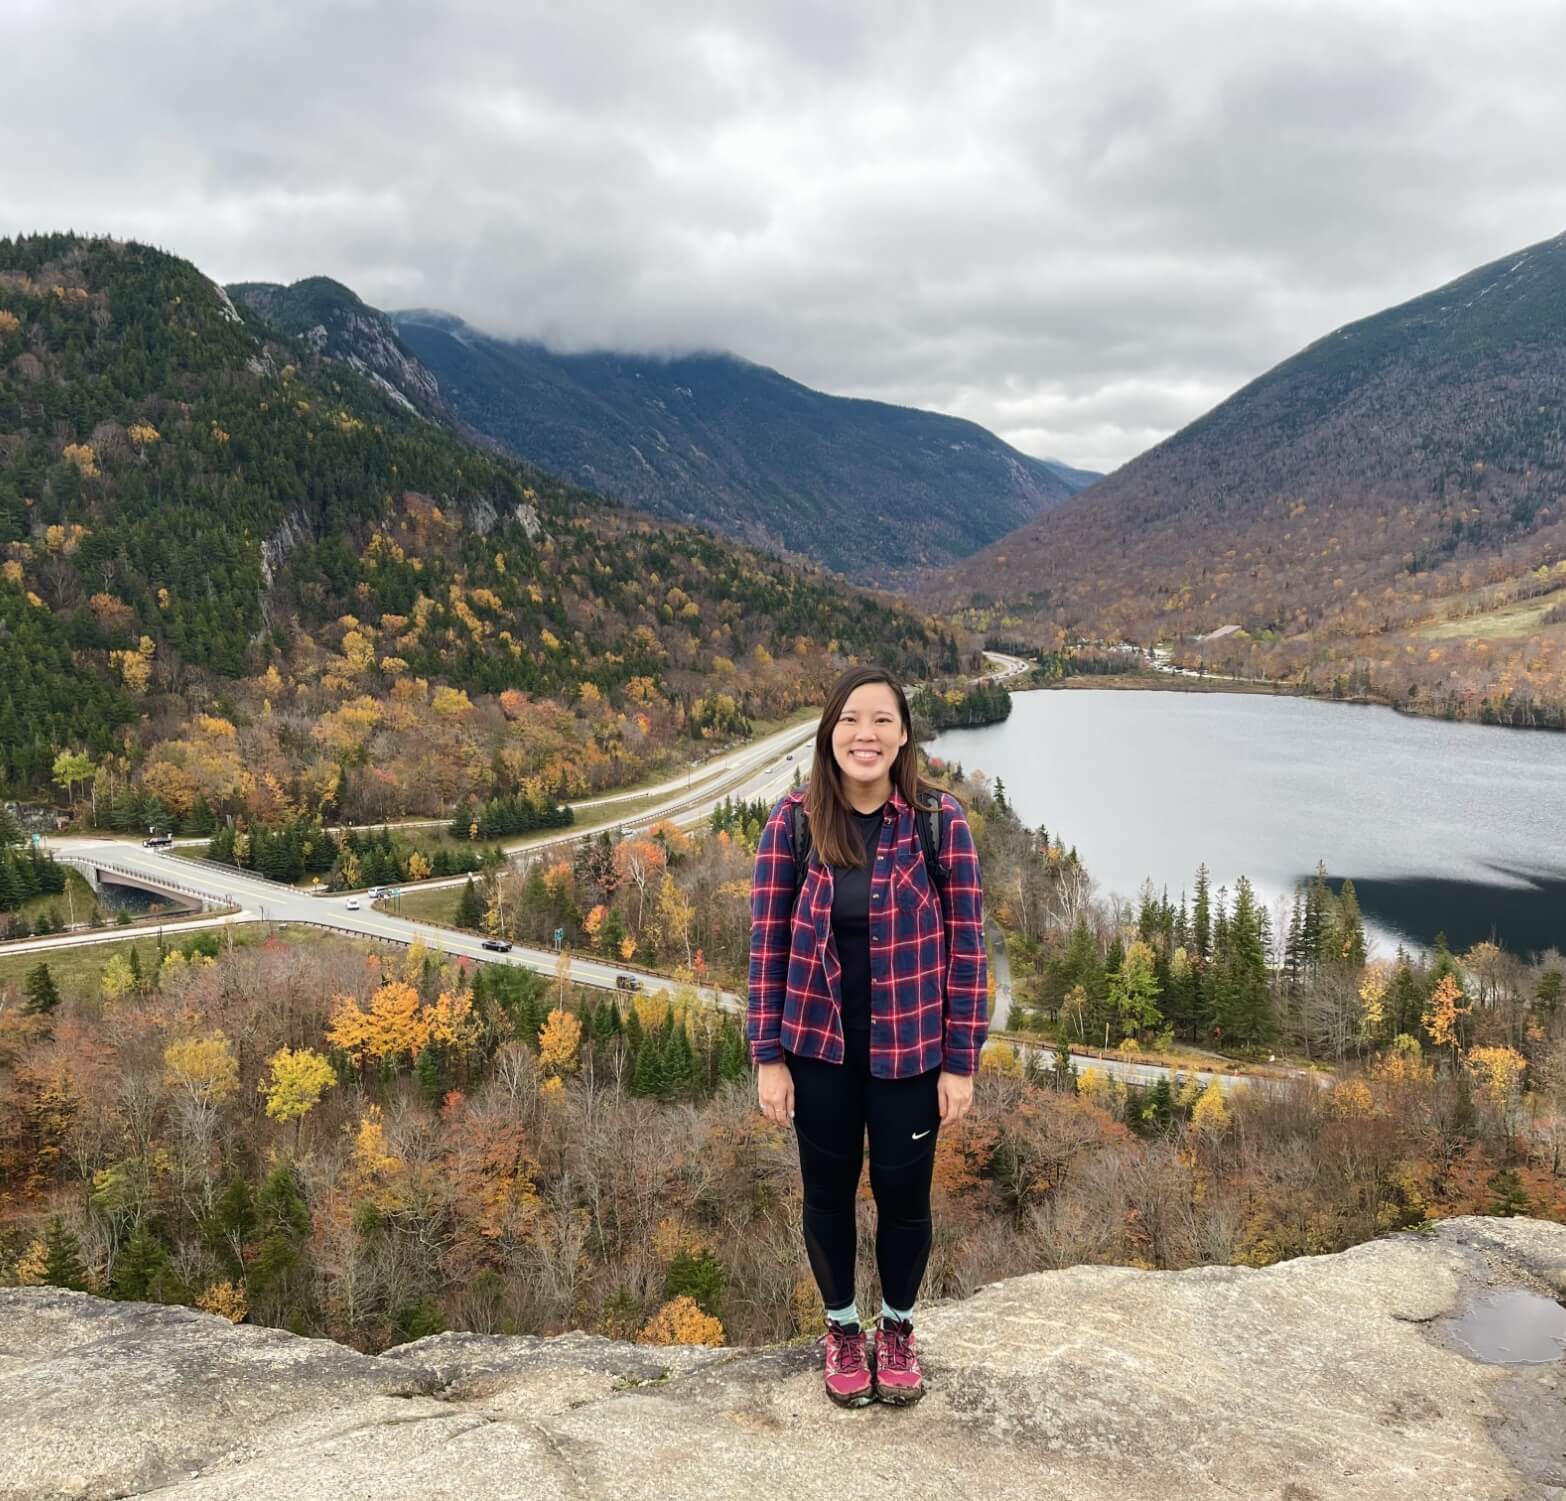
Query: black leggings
[(833, 1103)]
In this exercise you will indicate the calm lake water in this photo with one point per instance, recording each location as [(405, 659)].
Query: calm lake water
[(1443, 827)]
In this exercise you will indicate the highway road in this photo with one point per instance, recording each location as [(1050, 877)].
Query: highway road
[(762, 769)]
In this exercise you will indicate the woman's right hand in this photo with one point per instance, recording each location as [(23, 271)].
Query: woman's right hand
[(775, 1086)]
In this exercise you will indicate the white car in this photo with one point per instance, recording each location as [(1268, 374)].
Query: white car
[(352, 904)]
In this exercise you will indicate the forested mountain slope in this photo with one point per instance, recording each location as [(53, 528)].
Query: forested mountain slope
[(242, 577), (1355, 505), (872, 490)]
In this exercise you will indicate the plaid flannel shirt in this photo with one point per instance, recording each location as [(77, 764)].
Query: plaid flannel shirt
[(929, 992)]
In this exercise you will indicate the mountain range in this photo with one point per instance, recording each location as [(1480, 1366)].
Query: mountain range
[(241, 567), (1354, 505), (709, 439)]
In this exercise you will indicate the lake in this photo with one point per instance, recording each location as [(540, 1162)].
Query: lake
[(1443, 827)]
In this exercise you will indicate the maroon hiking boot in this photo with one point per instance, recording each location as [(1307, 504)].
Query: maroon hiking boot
[(847, 1371), (898, 1379)]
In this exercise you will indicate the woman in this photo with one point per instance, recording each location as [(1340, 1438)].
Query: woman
[(868, 1007)]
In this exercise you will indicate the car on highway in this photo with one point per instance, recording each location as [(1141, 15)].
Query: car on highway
[(497, 945), (352, 904), (627, 982), (158, 842), (375, 892)]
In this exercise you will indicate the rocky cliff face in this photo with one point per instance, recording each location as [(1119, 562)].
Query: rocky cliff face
[(1318, 1379), (333, 321)]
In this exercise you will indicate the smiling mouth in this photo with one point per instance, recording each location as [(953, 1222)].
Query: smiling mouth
[(866, 755)]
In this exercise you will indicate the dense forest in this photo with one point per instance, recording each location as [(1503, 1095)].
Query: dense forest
[(241, 579), (374, 1145)]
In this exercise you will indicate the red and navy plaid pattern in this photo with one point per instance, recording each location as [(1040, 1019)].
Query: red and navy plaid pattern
[(929, 1001)]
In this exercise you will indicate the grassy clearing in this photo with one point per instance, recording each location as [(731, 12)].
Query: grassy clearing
[(1521, 618), (426, 906)]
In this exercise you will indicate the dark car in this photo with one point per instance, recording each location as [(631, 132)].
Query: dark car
[(159, 842), (627, 982), (499, 945)]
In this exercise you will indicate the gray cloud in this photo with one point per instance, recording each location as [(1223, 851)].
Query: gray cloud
[(1079, 224)]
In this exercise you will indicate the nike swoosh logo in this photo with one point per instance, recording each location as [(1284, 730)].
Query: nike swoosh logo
[(918, 1134)]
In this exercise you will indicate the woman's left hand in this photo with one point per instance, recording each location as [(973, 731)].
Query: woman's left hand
[(956, 1096)]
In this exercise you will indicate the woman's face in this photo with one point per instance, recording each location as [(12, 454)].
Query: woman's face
[(867, 736)]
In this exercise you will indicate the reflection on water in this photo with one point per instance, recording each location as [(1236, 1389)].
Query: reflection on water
[(1512, 1327), (1523, 919), (1448, 828)]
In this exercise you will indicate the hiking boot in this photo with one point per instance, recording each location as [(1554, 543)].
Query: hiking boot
[(898, 1379), (847, 1373)]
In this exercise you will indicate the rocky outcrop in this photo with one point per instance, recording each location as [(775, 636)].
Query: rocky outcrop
[(1318, 1379), (334, 323)]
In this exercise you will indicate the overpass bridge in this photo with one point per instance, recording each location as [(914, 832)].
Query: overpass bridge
[(116, 866)]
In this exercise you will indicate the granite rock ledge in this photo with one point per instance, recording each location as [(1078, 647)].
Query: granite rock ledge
[(1318, 1379)]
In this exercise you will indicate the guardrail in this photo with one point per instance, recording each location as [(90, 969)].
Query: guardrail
[(232, 871), (140, 877), (129, 932)]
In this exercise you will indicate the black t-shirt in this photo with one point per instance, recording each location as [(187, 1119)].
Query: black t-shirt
[(851, 926)]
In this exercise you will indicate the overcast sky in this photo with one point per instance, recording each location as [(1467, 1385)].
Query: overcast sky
[(1081, 224)]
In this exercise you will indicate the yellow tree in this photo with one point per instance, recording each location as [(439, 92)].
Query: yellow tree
[(394, 1027), (1210, 1115), (681, 1322), (1442, 1013), (117, 980), (1497, 1072), (676, 912), (296, 1080), (558, 1040), (202, 1068)]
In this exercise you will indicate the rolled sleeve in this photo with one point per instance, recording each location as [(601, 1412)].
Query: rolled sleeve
[(771, 914), (967, 1021)]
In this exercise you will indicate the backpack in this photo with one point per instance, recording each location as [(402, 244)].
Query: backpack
[(927, 825)]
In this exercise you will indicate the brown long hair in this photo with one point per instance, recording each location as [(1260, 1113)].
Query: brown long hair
[(832, 829)]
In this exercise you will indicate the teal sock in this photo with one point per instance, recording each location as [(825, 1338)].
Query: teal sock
[(896, 1315), (845, 1315)]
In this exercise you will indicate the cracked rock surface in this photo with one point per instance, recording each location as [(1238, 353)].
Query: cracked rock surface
[(1317, 1379)]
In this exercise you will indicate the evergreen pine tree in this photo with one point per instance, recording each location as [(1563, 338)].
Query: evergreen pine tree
[(63, 1265), (142, 1273), (1405, 999), (647, 1073), (733, 1064), (1314, 924), (42, 994), (1158, 1105), (1201, 925), (1508, 1196), (231, 1225), (427, 1067), (1350, 927), (470, 910), (283, 1221)]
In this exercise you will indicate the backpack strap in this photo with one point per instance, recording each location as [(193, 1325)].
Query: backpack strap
[(927, 825), (801, 846)]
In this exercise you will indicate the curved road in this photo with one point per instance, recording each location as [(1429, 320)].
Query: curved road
[(762, 769)]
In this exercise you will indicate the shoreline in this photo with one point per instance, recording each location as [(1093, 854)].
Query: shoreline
[(1164, 682)]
